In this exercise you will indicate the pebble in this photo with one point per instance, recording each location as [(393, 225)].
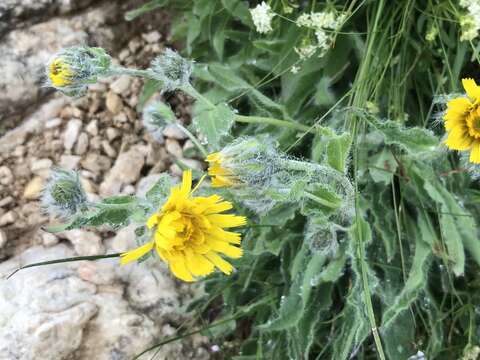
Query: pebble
[(96, 163), (85, 242), (6, 176), (192, 164), (69, 162), (92, 128), (152, 37), (82, 144), (33, 189), (109, 150), (71, 133), (174, 132), (114, 103), (6, 201), (48, 239), (121, 85), (8, 218), (19, 151), (39, 166), (112, 133), (174, 148), (134, 45), (53, 123), (123, 54), (3, 239)]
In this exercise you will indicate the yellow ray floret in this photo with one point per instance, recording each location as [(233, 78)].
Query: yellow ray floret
[(190, 233), (462, 121), (221, 176), (60, 73)]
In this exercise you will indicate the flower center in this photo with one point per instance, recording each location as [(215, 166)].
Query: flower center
[(473, 122)]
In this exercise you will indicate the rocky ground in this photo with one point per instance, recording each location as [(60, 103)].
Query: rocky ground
[(83, 310)]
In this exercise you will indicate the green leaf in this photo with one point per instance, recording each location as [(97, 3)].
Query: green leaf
[(417, 277), (213, 122), (149, 88), (382, 167), (149, 6), (338, 149), (160, 190), (413, 140)]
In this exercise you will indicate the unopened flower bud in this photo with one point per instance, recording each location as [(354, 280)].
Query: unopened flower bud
[(172, 69), (247, 161), (72, 69), (63, 195), (156, 116)]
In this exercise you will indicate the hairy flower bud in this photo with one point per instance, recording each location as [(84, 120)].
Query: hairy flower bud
[(72, 69), (172, 69), (63, 195), (247, 161), (155, 117)]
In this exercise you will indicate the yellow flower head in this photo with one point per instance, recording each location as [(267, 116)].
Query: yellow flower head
[(462, 121), (190, 233), (60, 73), (221, 176)]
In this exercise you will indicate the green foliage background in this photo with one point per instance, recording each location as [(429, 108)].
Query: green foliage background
[(408, 266)]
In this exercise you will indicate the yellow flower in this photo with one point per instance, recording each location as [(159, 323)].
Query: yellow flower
[(462, 121), (190, 233), (60, 73), (221, 176)]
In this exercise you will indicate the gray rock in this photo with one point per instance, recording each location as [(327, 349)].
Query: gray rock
[(71, 133), (92, 128), (8, 218), (96, 163), (69, 162), (174, 132), (82, 144), (122, 85), (114, 103), (6, 176), (3, 239), (48, 239), (126, 170), (174, 148), (86, 310), (40, 165), (85, 242)]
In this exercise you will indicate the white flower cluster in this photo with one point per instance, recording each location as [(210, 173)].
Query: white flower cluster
[(470, 22), (262, 16), (321, 22)]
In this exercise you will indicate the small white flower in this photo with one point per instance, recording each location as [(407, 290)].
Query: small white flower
[(295, 69), (262, 16), (470, 22), (306, 51)]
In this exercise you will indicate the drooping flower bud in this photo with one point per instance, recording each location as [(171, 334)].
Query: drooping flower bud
[(155, 117), (72, 69), (246, 161), (172, 69), (63, 195)]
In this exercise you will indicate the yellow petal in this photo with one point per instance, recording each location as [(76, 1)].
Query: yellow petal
[(225, 248), (220, 263), (471, 88), (152, 221), (227, 220), (186, 182), (179, 269), (475, 153), (198, 264), (458, 139), (135, 254)]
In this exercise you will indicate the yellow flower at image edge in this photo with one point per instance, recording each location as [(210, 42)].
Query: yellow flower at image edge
[(221, 177), (462, 121), (60, 73), (190, 233)]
